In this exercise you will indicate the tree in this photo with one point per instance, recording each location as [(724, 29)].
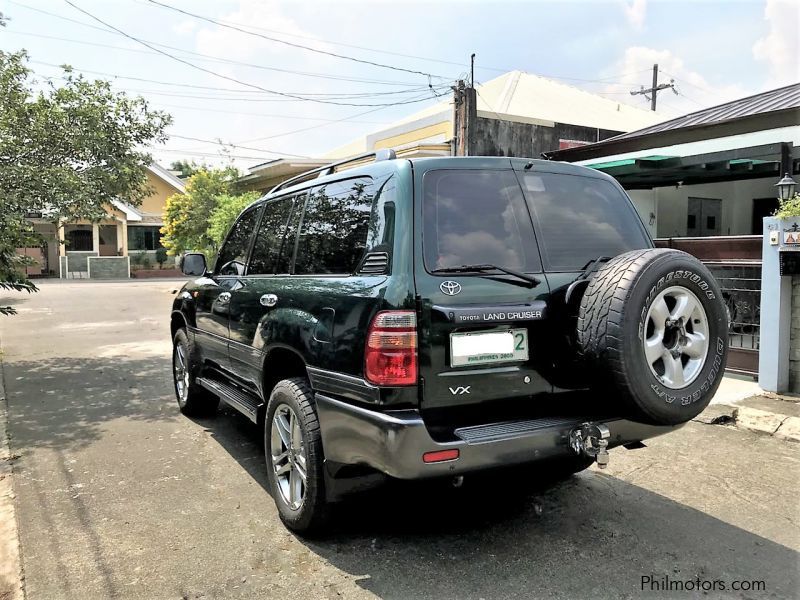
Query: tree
[(228, 208), (187, 215), (187, 168), (65, 152)]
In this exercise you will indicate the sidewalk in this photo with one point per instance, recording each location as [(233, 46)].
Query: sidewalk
[(741, 403)]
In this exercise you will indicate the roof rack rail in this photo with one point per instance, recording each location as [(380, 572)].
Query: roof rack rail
[(383, 154)]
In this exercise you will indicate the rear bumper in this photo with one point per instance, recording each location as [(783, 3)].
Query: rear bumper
[(394, 442)]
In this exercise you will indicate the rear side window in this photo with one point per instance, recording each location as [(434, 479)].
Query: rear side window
[(476, 217), (580, 218), (334, 227), (272, 250), (231, 258)]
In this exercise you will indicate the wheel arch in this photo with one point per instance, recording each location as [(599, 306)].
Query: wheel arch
[(280, 362), (177, 321)]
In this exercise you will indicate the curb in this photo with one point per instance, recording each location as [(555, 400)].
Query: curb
[(11, 579), (753, 419)]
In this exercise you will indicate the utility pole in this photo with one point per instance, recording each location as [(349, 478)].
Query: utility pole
[(654, 89), (472, 70)]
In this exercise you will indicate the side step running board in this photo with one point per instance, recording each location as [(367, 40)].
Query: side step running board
[(479, 434), (245, 403)]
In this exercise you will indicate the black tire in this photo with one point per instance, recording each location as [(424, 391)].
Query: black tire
[(613, 324), (196, 401), (313, 514)]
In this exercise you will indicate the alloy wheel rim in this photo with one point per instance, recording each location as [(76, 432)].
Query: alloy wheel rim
[(676, 338), (288, 455), (181, 373)]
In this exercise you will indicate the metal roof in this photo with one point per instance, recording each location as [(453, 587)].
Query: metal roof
[(784, 98)]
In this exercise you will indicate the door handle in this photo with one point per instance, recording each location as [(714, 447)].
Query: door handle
[(268, 300), (224, 297)]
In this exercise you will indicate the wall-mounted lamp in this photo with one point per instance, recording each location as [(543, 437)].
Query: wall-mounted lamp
[(786, 187)]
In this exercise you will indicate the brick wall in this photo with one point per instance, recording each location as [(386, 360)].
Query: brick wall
[(108, 267), (794, 347)]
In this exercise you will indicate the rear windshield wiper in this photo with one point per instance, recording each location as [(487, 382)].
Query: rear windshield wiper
[(533, 281)]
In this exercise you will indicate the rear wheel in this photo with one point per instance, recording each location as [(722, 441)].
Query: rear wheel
[(653, 326), (293, 448), (192, 399)]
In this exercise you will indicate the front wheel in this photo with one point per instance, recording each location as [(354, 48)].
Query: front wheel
[(192, 399), (293, 448)]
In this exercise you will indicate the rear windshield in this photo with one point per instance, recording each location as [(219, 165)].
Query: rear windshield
[(580, 218), (476, 217)]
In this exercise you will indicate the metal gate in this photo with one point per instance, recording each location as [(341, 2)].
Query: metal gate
[(735, 262)]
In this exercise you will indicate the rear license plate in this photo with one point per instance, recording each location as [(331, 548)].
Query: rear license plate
[(488, 347)]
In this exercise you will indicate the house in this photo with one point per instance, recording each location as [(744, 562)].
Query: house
[(515, 114), (703, 183), (103, 249), (708, 173)]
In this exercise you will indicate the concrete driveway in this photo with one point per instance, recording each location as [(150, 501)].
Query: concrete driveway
[(119, 496)]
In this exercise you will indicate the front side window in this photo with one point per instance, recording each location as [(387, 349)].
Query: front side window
[(272, 250), (233, 255), (580, 219), (476, 217), (335, 224)]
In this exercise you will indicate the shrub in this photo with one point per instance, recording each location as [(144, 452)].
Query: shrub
[(161, 257), (146, 262), (789, 208)]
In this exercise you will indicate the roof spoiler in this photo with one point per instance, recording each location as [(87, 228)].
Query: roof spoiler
[(383, 154)]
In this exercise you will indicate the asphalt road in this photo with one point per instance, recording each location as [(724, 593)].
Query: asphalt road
[(119, 496)]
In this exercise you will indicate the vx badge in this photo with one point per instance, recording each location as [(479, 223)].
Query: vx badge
[(460, 390)]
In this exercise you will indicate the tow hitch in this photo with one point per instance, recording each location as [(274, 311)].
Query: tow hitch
[(591, 439)]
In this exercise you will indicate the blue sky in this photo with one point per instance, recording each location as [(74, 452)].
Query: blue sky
[(715, 51)]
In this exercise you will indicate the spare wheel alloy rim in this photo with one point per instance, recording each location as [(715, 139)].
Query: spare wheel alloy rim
[(676, 337), (288, 456)]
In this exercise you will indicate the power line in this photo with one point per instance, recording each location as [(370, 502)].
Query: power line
[(232, 145), (254, 28), (228, 78), (292, 44), (337, 95), (206, 57), (271, 137), (206, 154)]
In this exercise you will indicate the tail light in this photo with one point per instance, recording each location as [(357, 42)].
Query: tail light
[(391, 353)]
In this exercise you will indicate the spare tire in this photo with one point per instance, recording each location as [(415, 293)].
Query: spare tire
[(653, 327)]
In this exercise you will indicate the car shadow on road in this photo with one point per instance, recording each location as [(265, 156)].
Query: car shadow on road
[(591, 535), (62, 403)]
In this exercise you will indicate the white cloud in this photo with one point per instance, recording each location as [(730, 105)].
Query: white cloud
[(694, 90), (635, 12), (184, 27), (779, 47), (256, 15)]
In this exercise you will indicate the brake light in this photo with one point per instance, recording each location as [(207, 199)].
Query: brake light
[(391, 353)]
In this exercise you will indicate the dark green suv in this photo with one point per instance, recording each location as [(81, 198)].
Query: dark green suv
[(435, 317)]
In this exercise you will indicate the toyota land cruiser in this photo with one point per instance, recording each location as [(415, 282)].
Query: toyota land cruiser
[(434, 317)]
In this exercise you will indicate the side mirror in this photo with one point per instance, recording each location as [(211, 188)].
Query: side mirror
[(193, 263)]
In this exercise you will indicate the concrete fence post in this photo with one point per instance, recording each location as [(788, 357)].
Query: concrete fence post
[(776, 308)]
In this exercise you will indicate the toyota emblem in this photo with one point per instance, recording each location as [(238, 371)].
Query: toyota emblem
[(450, 288)]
